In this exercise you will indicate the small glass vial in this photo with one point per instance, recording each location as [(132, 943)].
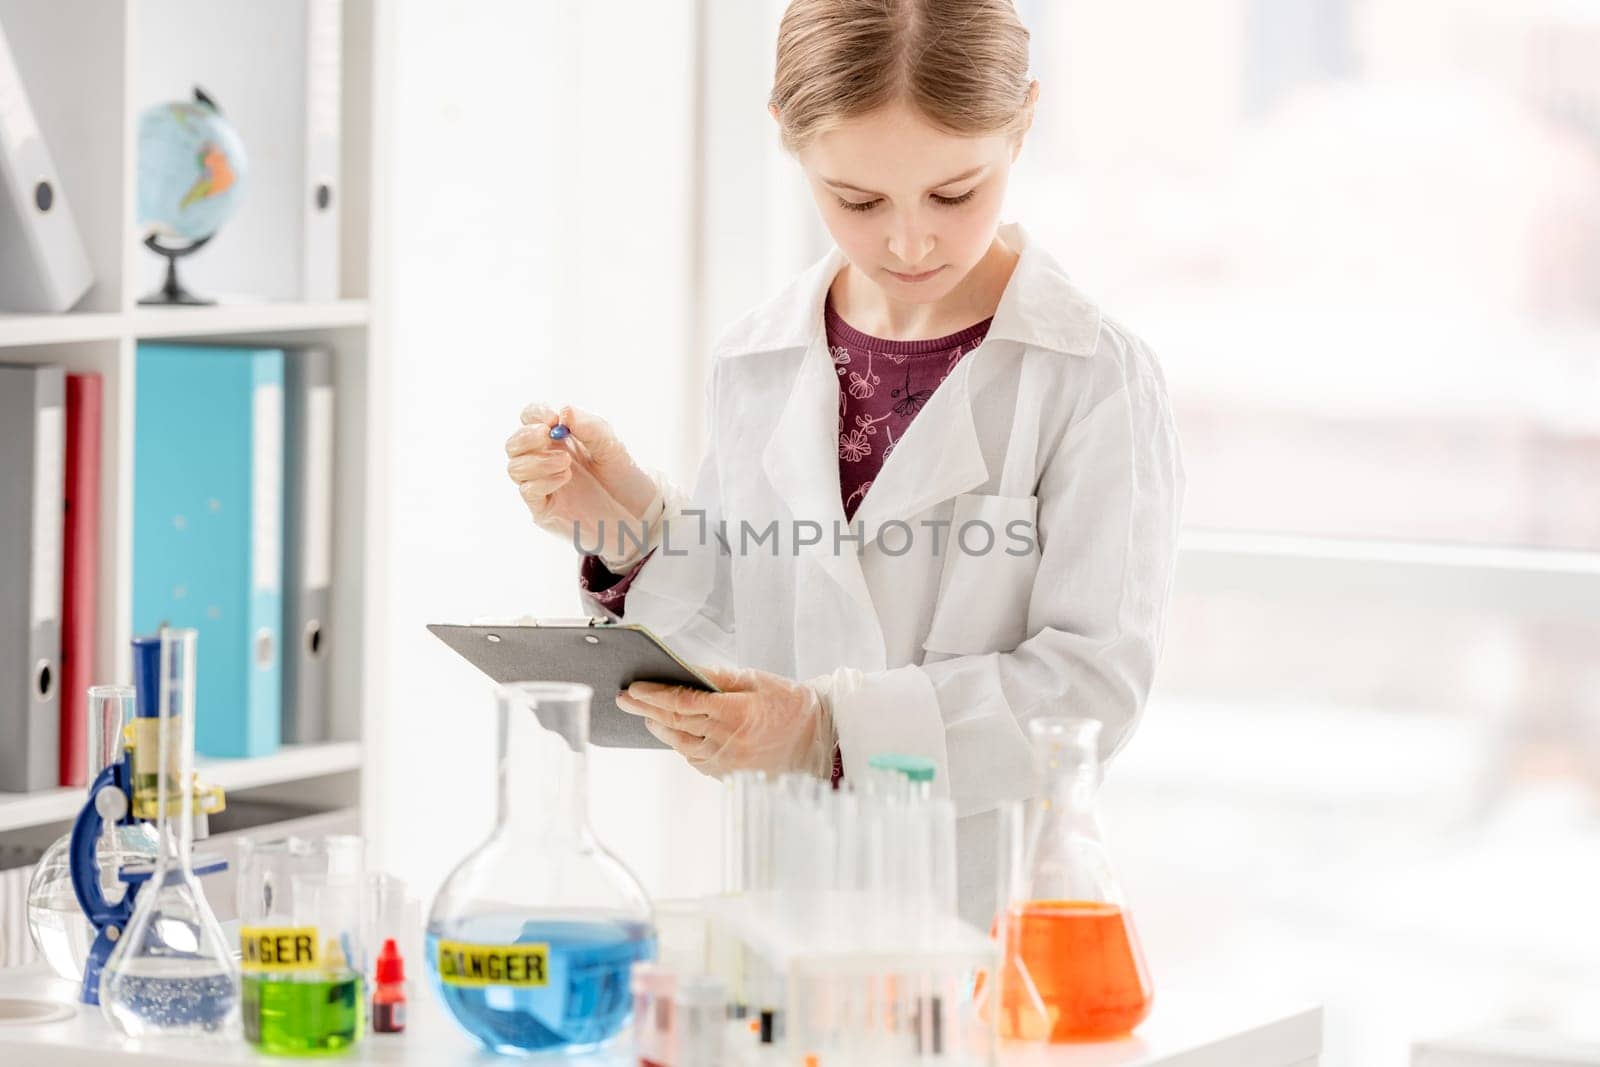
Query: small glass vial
[(389, 996)]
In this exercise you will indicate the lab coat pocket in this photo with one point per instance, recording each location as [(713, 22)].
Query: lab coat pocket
[(987, 578)]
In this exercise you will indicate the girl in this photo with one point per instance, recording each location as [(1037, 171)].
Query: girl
[(942, 489)]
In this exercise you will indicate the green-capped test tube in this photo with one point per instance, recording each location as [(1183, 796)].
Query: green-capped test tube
[(916, 771)]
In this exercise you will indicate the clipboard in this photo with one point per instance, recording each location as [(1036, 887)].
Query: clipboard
[(605, 656)]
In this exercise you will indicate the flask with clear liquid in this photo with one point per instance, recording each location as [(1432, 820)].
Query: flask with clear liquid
[(531, 939), (172, 970), (61, 931), (1073, 969)]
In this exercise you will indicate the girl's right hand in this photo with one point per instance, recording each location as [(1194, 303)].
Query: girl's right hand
[(586, 486)]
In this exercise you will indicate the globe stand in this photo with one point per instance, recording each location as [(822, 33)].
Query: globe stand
[(172, 291)]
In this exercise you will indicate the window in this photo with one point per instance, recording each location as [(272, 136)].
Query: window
[(1365, 240)]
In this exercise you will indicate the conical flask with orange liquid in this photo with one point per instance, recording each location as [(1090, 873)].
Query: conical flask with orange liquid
[(1073, 969)]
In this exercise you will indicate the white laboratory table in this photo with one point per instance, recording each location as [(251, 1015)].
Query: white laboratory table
[(1184, 1030), (1510, 1048)]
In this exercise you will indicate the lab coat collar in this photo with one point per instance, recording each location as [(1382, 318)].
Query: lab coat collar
[(940, 455), (1040, 307)]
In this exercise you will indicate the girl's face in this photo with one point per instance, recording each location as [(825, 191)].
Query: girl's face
[(912, 207)]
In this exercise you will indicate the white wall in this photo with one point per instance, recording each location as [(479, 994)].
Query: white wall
[(757, 224), (541, 172)]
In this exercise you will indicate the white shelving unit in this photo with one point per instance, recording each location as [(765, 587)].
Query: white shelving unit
[(292, 763), (90, 68)]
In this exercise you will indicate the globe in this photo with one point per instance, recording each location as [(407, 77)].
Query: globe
[(192, 168)]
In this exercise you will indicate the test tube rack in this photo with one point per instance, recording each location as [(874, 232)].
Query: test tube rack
[(838, 926)]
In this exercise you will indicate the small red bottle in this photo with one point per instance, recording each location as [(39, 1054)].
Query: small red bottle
[(389, 999)]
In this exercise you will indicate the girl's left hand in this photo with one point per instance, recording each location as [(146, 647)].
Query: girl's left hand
[(760, 722)]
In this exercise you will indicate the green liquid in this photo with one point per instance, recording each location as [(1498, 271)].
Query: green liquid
[(313, 1018)]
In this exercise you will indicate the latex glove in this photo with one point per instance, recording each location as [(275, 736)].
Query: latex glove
[(759, 722), (586, 485)]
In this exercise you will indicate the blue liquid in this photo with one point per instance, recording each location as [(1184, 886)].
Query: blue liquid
[(586, 1001)]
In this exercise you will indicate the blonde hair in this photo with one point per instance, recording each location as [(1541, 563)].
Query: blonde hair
[(963, 64)]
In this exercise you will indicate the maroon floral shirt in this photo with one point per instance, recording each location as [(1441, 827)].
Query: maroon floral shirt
[(882, 386)]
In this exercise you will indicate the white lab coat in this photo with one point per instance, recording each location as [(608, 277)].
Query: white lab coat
[(1060, 418)]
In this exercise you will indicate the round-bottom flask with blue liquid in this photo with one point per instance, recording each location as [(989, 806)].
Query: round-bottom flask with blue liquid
[(532, 938)]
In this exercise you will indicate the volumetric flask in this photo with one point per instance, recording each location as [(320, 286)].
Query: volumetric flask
[(531, 938), (1073, 969), (172, 970)]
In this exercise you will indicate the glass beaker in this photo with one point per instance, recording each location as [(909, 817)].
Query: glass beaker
[(531, 938), (300, 915), (1073, 969), (172, 970), (336, 1002), (56, 921), (272, 947)]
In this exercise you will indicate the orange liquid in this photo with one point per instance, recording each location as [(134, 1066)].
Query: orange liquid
[(1085, 962)]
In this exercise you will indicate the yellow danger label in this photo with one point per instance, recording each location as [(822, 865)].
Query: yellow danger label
[(461, 964), (278, 948)]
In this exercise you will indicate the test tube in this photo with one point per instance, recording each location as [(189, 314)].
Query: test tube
[(332, 907), (770, 1018), (344, 855), (386, 911), (735, 845), (340, 859), (847, 839), (747, 826), (639, 987), (700, 1006), (664, 1023), (756, 825), (943, 859), (649, 1035), (803, 788), (110, 707)]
